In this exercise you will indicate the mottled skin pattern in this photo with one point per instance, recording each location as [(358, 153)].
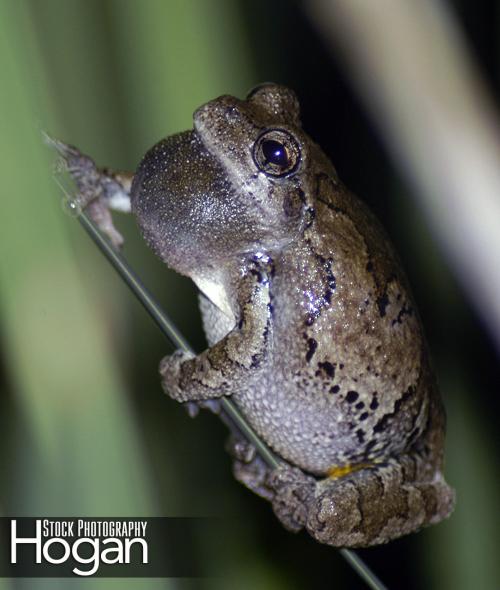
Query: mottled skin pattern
[(310, 323)]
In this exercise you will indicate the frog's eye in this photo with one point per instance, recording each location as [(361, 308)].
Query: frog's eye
[(276, 152)]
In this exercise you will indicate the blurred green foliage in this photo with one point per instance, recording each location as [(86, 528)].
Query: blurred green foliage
[(85, 427)]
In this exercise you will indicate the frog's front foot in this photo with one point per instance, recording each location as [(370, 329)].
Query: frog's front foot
[(193, 408), (293, 495), (177, 382), (99, 189), (101, 215), (248, 466), (172, 375)]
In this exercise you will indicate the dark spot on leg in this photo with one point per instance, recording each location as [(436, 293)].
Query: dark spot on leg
[(328, 368), (382, 424), (382, 303), (310, 319), (312, 345), (402, 312), (413, 436), (256, 360), (370, 446)]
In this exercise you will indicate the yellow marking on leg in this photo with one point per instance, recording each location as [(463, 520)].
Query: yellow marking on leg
[(337, 471)]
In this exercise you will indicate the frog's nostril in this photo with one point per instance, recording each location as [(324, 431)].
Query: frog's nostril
[(231, 114)]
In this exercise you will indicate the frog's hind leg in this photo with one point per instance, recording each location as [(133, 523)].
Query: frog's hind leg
[(376, 504)]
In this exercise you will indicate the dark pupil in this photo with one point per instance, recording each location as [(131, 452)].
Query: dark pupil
[(275, 153)]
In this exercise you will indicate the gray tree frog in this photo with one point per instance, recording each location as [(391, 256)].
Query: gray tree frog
[(311, 326)]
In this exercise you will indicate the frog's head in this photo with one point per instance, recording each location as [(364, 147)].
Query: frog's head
[(238, 183)]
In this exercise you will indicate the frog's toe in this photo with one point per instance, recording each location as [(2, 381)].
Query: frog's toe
[(101, 216), (253, 475), (240, 449), (170, 365), (336, 518), (294, 492), (193, 408), (213, 405)]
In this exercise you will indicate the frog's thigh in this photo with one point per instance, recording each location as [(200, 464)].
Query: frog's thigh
[(374, 505)]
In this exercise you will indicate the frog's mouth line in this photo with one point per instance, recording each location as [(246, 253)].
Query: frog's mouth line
[(273, 247), (270, 249)]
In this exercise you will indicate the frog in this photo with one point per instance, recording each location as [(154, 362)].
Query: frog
[(311, 326)]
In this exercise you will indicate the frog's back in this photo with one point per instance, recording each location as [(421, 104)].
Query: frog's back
[(349, 380)]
